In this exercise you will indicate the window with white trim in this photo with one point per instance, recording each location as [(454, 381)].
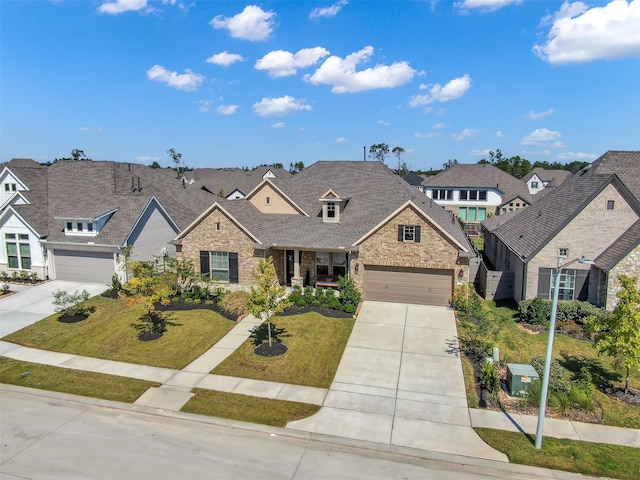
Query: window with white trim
[(322, 263), (476, 195), (409, 233), (442, 194), (563, 252), (18, 250), (331, 210), (566, 285), (219, 262), (10, 187)]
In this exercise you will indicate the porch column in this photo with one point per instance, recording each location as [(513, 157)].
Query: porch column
[(297, 279)]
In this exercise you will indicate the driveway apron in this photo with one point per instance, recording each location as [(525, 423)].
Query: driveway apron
[(400, 383)]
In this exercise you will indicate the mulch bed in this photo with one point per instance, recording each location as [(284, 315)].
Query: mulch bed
[(72, 318), (276, 349), (149, 336), (632, 397), (327, 312)]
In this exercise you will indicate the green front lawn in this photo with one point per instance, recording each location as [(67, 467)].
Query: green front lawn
[(248, 409), (597, 459), (315, 349), (77, 382), (110, 333)]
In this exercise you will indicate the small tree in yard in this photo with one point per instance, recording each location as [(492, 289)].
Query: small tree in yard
[(268, 298), (147, 288), (618, 335)]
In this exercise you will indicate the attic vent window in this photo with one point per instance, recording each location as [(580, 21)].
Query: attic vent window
[(218, 227), (610, 204), (268, 200), (409, 233)]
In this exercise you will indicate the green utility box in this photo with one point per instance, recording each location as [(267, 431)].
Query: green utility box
[(519, 378)]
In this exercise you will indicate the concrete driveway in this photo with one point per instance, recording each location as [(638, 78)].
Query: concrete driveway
[(400, 382), (32, 303)]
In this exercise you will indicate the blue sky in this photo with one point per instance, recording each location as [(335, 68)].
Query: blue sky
[(241, 84)]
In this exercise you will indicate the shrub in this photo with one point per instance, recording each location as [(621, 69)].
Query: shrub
[(308, 295), (33, 277), (197, 301), (296, 298), (219, 293), (584, 382), (349, 308), (235, 303), (474, 341), (70, 304), (560, 402), (535, 312), (489, 378), (582, 400), (5, 288), (466, 299), (209, 302), (533, 395), (24, 275), (188, 300), (349, 294), (4, 277), (116, 285), (15, 276), (559, 377)]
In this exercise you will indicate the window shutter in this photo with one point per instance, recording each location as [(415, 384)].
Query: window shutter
[(400, 233), (233, 267), (581, 291), (204, 263), (544, 283), (417, 234)]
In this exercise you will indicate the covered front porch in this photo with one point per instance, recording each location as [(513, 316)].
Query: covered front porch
[(306, 267)]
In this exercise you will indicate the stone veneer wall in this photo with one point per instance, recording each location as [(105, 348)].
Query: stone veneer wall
[(629, 266), (230, 238), (383, 248)]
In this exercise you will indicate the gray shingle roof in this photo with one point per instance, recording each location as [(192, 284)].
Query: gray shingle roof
[(554, 177), (530, 229), (620, 248), (229, 179), (480, 176), (373, 191)]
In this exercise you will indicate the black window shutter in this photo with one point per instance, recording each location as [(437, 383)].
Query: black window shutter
[(581, 291), (233, 267), (417, 233), (544, 283), (204, 263), (400, 233)]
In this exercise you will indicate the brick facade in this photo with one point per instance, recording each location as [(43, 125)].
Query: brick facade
[(629, 266)]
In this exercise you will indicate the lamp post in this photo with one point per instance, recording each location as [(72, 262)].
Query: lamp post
[(552, 329)]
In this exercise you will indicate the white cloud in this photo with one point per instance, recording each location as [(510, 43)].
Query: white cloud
[(582, 34), (464, 134), (341, 73), (437, 93), (579, 156), (538, 115), (224, 59), (342, 140), (187, 81), (280, 63), (484, 5), (440, 125), (278, 125), (279, 106), (383, 123), (120, 6), (328, 12), (542, 136), (205, 105), (499, 134), (427, 134), (252, 23), (480, 153), (227, 109)]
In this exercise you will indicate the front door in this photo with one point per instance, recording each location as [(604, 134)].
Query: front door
[(289, 266)]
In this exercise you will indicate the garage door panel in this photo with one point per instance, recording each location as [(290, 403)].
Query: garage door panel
[(90, 267), (408, 285)]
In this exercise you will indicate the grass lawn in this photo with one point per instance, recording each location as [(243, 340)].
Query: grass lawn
[(595, 459), (248, 409), (478, 242), (89, 384), (110, 333), (518, 346), (315, 349)]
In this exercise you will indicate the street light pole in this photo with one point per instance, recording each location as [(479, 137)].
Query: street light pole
[(552, 329)]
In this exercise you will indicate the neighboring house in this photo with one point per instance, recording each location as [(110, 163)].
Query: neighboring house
[(415, 180), (335, 219), (538, 179), (594, 213), (232, 183), (476, 192), (79, 220)]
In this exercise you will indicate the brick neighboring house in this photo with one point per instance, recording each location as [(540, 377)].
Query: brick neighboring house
[(477, 192), (333, 219), (74, 220), (595, 213), (232, 183)]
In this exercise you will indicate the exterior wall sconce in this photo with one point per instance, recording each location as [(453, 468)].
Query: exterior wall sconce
[(357, 268), (461, 274)]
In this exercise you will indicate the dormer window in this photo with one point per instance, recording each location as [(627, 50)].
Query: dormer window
[(80, 228), (332, 206), (331, 210), (10, 187)]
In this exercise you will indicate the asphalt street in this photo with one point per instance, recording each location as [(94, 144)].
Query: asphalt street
[(45, 435)]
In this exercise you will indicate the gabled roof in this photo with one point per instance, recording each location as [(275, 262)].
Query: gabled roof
[(374, 193), (415, 179), (289, 200), (479, 175), (554, 177), (528, 230), (226, 180), (620, 248)]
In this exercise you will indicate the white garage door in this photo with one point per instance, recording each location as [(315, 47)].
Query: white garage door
[(408, 285), (90, 267)]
